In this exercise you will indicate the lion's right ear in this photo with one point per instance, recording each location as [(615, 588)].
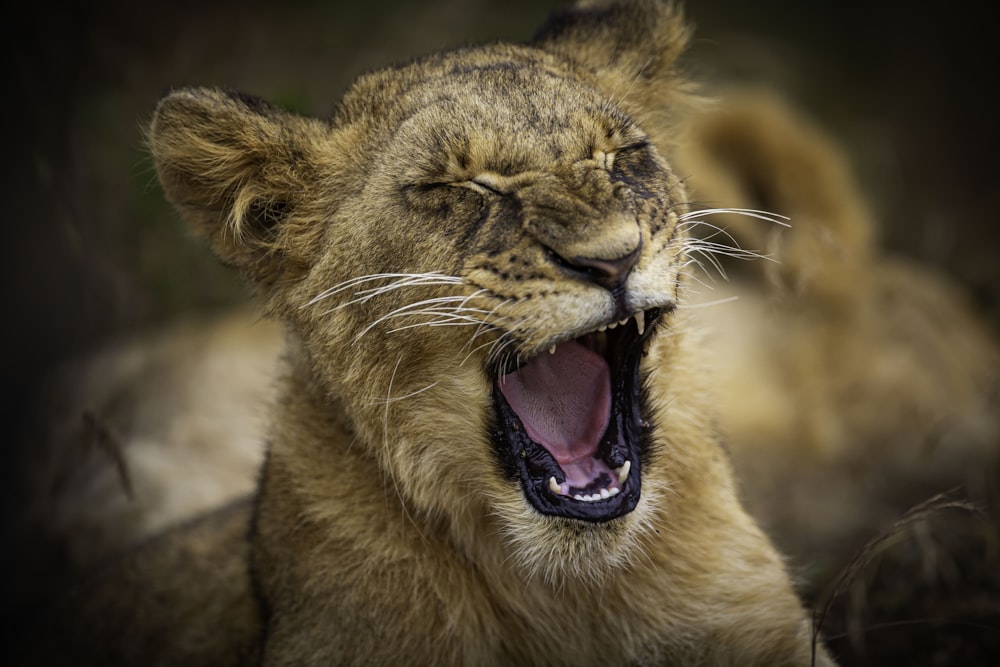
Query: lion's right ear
[(243, 172)]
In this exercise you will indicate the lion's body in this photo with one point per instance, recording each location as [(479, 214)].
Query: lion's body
[(851, 383), (461, 222)]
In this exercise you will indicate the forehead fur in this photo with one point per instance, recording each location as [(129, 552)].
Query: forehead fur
[(517, 110), (584, 73)]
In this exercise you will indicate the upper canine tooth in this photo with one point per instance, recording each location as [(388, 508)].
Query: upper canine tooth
[(640, 321), (623, 472), (552, 350)]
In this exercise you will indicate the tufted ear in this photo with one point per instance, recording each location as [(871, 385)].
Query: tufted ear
[(244, 174), (632, 48)]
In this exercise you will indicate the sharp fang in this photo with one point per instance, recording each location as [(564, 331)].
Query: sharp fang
[(623, 472), (640, 321), (554, 486), (552, 350)]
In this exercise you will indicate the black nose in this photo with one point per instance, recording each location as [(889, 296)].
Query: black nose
[(608, 273)]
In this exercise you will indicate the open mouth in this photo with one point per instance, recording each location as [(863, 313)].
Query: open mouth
[(570, 422)]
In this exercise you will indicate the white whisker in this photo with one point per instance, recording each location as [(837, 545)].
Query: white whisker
[(696, 277), (708, 257), (385, 440), (400, 280), (705, 251), (396, 399), (473, 350), (708, 304), (767, 216), (444, 320), (419, 307), (489, 321)]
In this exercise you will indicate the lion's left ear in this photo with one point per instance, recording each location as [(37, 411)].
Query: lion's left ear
[(245, 174), (631, 48)]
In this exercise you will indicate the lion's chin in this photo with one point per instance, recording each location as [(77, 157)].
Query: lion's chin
[(559, 551)]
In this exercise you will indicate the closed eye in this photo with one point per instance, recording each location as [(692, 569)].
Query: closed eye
[(606, 159), (484, 185), (633, 147), (628, 155)]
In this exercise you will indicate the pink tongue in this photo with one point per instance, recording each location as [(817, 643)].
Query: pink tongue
[(563, 400)]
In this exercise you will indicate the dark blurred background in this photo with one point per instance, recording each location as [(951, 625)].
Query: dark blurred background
[(93, 252)]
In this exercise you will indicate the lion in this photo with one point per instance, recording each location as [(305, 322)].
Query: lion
[(874, 380), (496, 439)]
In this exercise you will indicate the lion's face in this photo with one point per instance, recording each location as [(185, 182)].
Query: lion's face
[(477, 253)]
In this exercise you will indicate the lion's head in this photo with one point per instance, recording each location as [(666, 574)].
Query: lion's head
[(476, 252)]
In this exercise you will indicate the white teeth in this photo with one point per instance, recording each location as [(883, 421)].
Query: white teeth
[(640, 323), (603, 494), (552, 350)]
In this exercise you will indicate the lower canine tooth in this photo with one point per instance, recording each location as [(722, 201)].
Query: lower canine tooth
[(554, 486), (623, 472)]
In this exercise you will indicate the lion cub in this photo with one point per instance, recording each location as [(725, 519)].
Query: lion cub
[(493, 444)]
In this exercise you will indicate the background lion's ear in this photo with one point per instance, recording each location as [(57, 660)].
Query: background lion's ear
[(632, 47), (755, 151), (239, 170)]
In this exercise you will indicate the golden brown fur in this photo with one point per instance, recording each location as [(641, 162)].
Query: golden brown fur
[(386, 529)]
